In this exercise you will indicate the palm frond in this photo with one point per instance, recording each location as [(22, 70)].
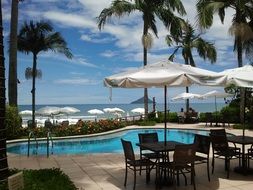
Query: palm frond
[(175, 5), (29, 73), (118, 8)]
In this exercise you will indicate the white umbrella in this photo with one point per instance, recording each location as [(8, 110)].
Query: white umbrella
[(113, 110), (49, 110), (216, 94), (117, 110), (107, 110), (241, 76), (69, 110), (26, 112), (185, 96), (164, 74), (138, 110), (95, 112)]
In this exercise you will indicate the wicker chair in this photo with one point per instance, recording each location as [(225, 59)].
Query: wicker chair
[(149, 138), (183, 163), (133, 164), (202, 151), (222, 150), (250, 154)]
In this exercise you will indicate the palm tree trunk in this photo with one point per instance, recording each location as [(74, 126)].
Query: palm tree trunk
[(12, 85), (33, 87), (3, 155), (145, 60)]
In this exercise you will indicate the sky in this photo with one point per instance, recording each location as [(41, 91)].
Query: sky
[(98, 54)]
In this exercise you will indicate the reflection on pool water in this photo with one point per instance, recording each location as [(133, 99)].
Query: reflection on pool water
[(102, 144)]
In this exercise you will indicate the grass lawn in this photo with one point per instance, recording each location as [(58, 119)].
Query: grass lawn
[(45, 179)]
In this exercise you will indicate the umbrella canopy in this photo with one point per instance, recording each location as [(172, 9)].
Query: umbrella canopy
[(113, 110), (241, 76), (26, 112), (138, 110), (185, 96), (49, 110), (216, 94), (163, 74), (107, 110), (95, 111), (69, 110)]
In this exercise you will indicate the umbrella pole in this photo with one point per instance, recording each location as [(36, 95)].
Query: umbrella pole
[(165, 114), (243, 129), (215, 101)]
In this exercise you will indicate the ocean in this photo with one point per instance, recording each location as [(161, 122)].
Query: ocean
[(173, 107)]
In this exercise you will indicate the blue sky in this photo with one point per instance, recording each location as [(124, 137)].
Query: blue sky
[(98, 54)]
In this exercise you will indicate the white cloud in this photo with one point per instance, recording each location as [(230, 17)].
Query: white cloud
[(68, 19), (77, 59), (77, 81), (95, 39), (109, 53)]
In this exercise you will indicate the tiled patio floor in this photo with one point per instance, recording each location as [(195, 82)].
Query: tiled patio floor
[(106, 171)]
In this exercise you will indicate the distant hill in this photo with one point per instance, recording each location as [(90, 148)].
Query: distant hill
[(140, 101)]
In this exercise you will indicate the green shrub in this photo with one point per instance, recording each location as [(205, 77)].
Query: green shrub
[(13, 122), (173, 117), (230, 114), (44, 179), (146, 123)]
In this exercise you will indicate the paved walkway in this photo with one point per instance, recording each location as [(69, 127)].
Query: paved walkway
[(106, 171)]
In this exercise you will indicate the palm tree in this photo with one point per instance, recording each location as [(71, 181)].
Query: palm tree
[(163, 9), (35, 38), (188, 42), (13, 80), (3, 155), (241, 26)]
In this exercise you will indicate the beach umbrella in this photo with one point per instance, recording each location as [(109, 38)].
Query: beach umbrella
[(107, 110), (48, 110), (69, 110), (113, 110), (26, 112), (164, 74), (138, 110), (185, 96), (216, 94), (95, 111), (117, 110), (240, 76)]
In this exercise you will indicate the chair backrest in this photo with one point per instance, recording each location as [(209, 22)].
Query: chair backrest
[(184, 154), (219, 139), (148, 137), (202, 143), (128, 150)]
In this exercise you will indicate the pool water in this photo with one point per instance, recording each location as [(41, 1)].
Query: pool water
[(102, 144)]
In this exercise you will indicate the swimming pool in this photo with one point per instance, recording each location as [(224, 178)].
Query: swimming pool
[(102, 144)]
